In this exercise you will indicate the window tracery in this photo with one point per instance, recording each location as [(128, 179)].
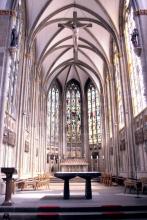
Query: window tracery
[(73, 118), (134, 66), (13, 63), (94, 115), (53, 119)]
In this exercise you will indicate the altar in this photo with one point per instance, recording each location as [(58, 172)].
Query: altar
[(74, 165), (66, 176)]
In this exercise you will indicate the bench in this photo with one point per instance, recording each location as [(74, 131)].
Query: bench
[(24, 183), (106, 178), (130, 184), (42, 180), (143, 181)]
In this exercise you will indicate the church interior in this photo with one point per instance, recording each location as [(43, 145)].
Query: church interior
[(73, 87)]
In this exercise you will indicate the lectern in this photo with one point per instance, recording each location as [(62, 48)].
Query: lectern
[(9, 171)]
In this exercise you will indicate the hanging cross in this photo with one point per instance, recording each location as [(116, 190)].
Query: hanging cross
[(75, 25)]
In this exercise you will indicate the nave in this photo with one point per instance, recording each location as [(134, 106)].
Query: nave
[(73, 88)]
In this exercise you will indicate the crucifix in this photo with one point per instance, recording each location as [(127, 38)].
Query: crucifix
[(75, 25)]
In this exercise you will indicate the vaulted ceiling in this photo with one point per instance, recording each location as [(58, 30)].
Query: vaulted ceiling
[(54, 44)]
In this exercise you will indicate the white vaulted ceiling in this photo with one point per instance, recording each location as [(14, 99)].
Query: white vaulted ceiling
[(54, 45)]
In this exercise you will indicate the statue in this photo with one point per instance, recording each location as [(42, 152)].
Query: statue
[(135, 42), (135, 38), (14, 38), (75, 26)]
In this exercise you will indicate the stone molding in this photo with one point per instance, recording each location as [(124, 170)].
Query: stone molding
[(140, 12), (7, 13)]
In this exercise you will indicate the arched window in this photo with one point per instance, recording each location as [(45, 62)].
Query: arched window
[(94, 115), (134, 65), (53, 120), (14, 61), (73, 119)]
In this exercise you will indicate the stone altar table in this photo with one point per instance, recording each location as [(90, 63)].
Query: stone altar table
[(66, 176)]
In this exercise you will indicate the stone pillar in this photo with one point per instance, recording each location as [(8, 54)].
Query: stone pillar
[(61, 106), (106, 129), (129, 136), (85, 128), (101, 159), (22, 117), (5, 22), (20, 128), (44, 130), (114, 124), (64, 123), (113, 162), (36, 140)]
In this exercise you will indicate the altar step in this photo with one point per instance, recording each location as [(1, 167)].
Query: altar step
[(74, 180)]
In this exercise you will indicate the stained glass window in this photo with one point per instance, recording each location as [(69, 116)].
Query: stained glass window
[(73, 118), (118, 88), (53, 120), (94, 115), (134, 67), (13, 63)]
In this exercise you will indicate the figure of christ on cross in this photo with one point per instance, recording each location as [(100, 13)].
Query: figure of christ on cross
[(75, 26)]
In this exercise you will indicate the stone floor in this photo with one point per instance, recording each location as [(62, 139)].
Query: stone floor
[(107, 203), (102, 196)]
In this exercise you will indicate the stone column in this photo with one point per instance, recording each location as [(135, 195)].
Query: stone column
[(114, 124), (64, 122), (22, 115), (131, 160), (85, 128), (106, 129), (44, 130), (5, 22), (20, 128), (112, 106), (61, 128)]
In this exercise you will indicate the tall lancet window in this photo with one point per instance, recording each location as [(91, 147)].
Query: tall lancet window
[(53, 120), (73, 119), (119, 100), (14, 61), (134, 63), (94, 116)]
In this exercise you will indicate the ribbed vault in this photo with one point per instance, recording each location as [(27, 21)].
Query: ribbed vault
[(54, 44)]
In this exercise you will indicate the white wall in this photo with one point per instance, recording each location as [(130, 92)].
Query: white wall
[(3, 4)]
